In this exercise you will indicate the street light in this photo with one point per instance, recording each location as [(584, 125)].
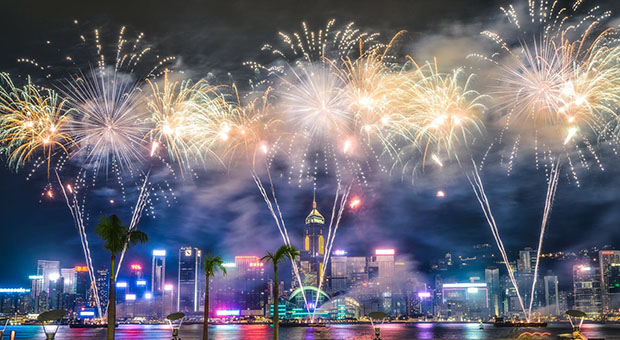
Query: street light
[(50, 316), (377, 316), (175, 327)]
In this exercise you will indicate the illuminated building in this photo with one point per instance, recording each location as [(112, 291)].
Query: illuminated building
[(158, 272), (552, 298), (609, 261), (587, 289), (189, 280), (338, 278), (35, 290), (82, 283), (527, 261), (311, 260), (102, 278), (491, 276), (15, 301), (69, 276), (384, 261), (169, 304), (464, 301), (251, 283), (56, 292), (137, 283), (347, 272), (50, 271)]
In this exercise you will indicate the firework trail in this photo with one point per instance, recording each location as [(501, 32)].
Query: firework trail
[(78, 218), (141, 204), (279, 222), (551, 190), (476, 184), (337, 210)]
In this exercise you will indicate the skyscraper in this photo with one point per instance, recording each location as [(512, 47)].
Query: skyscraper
[(82, 283), (69, 276), (552, 297), (190, 278), (50, 271), (311, 260), (609, 261), (587, 289), (103, 284), (492, 280), (527, 261), (158, 273)]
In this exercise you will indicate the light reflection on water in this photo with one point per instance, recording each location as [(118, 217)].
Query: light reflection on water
[(426, 331)]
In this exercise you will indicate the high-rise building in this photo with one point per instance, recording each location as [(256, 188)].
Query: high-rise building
[(50, 271), (464, 301), (102, 278), (251, 283), (384, 261), (158, 273), (137, 282), (527, 261), (68, 275), (347, 271), (587, 289), (189, 280), (311, 259), (56, 293), (491, 276), (338, 278), (82, 283), (609, 261), (552, 296)]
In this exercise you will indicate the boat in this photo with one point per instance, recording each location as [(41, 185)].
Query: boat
[(88, 325), (500, 322), (302, 324)]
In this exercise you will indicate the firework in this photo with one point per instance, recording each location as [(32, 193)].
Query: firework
[(31, 120), (186, 119), (108, 122), (439, 113)]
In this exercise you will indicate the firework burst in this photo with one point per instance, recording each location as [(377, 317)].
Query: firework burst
[(439, 113), (32, 120)]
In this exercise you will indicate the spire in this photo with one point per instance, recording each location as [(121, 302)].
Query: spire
[(314, 198), (315, 216)]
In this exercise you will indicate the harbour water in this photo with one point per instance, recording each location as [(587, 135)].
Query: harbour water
[(425, 331)]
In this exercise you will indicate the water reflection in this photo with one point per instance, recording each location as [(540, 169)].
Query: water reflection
[(425, 331)]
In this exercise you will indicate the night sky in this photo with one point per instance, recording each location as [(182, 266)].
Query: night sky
[(222, 211)]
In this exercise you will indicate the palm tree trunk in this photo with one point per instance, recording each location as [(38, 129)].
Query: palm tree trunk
[(205, 323), (276, 311), (112, 301)]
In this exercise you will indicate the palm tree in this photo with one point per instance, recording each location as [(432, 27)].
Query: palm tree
[(211, 265), (115, 238), (283, 253)]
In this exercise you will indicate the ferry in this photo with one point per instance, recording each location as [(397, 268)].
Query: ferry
[(500, 322)]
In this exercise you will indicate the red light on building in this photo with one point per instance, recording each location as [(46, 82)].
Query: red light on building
[(81, 268), (257, 264), (136, 267), (607, 252)]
